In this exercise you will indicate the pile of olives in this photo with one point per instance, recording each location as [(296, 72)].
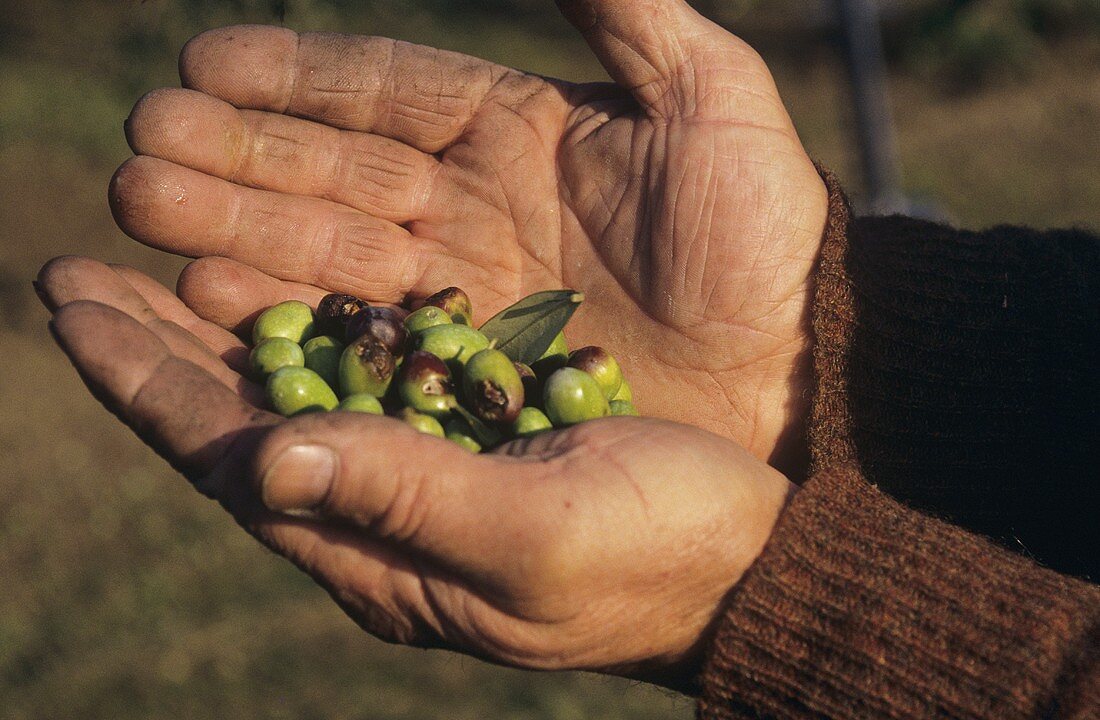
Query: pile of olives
[(430, 368)]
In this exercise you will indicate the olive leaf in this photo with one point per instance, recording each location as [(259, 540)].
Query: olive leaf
[(487, 436), (525, 330)]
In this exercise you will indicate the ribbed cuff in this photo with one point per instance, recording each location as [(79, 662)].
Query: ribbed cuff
[(861, 608)]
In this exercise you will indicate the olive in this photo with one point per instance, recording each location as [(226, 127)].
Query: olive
[(492, 385), (453, 344), (532, 388), (455, 303), (425, 385), (623, 408), (458, 431), (366, 366), (384, 323), (298, 390), (272, 354), (362, 403), (555, 358), (625, 392), (424, 423), (573, 396), (530, 422), (334, 311), (426, 317), (599, 363), (292, 320), (322, 356)]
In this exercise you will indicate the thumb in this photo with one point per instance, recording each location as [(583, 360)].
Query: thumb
[(667, 54), (400, 486)]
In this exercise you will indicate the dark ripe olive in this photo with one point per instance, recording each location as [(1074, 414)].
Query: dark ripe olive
[(425, 385), (385, 324), (532, 389), (334, 311), (366, 367), (455, 303)]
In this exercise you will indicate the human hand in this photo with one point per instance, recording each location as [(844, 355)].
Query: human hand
[(606, 547), (679, 198)]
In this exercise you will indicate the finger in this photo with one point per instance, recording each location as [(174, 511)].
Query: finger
[(70, 279), (463, 511), (164, 302), (420, 96), (190, 418), (378, 586), (371, 173), (308, 240), (231, 294), (674, 60)]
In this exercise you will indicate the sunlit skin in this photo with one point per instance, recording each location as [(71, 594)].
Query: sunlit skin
[(686, 210), (679, 200)]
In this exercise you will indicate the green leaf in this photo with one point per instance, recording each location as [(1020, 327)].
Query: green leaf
[(487, 436), (525, 330)]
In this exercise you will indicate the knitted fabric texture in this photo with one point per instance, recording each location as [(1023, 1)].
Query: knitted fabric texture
[(957, 372)]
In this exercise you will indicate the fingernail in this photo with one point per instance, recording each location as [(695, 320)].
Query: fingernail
[(299, 479)]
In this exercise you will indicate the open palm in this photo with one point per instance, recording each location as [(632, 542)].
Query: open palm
[(679, 199)]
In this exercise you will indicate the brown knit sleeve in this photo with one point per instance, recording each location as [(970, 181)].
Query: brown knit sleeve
[(862, 608), (955, 371), (959, 371)]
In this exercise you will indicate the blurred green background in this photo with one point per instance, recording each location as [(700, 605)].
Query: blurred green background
[(124, 595)]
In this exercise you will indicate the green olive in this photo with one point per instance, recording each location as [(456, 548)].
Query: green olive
[(424, 423), (272, 354), (492, 385), (426, 317), (599, 363), (530, 422), (292, 320), (573, 396), (362, 403), (322, 356), (458, 431), (453, 344), (298, 390), (366, 366), (623, 408), (555, 358), (625, 392)]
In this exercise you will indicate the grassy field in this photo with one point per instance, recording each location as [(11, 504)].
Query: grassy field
[(124, 594)]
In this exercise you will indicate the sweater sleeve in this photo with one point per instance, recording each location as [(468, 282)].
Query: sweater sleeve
[(959, 371), (862, 608), (955, 372)]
